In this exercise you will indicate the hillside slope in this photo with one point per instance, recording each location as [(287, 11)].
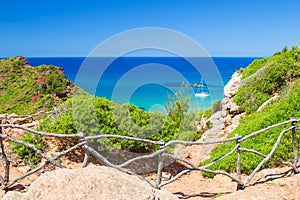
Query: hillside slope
[(278, 75), (267, 77), (25, 89)]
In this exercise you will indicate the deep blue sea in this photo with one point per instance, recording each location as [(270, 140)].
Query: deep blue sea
[(148, 82)]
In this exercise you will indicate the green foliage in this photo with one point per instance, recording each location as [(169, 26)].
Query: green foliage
[(285, 108), (25, 89), (44, 87), (217, 106), (188, 136), (56, 83), (17, 65), (180, 120), (28, 155), (265, 77), (219, 195), (253, 67), (94, 115)]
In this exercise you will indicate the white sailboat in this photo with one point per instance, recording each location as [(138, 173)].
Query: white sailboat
[(201, 94)]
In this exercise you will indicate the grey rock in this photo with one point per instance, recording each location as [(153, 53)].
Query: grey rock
[(232, 86), (90, 183), (231, 113)]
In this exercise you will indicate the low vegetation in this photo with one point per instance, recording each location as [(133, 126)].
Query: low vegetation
[(267, 77), (94, 115), (25, 89), (263, 79), (28, 155)]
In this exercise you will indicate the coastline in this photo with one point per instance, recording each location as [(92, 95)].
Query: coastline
[(153, 95)]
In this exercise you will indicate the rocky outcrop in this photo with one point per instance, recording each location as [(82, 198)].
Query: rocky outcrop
[(214, 133), (232, 86), (232, 115), (90, 183), (223, 122)]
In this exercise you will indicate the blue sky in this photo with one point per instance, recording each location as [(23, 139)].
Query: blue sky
[(74, 28)]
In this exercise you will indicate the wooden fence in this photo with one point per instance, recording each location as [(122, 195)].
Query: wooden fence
[(161, 153)]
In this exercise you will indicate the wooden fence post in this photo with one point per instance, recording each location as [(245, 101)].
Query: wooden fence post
[(294, 138), (238, 163), (160, 165), (5, 160), (86, 152)]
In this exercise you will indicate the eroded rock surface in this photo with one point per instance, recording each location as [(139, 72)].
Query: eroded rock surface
[(90, 183), (229, 107)]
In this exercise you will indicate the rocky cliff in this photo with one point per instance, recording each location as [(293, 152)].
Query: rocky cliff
[(230, 109)]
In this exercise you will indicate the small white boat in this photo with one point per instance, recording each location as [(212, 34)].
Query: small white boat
[(201, 94)]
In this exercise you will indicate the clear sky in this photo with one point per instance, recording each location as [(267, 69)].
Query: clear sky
[(74, 28)]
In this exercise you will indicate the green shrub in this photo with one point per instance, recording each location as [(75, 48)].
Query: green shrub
[(266, 77), (56, 82), (188, 136), (253, 67), (94, 115), (42, 87), (217, 106), (28, 155), (17, 65), (285, 108)]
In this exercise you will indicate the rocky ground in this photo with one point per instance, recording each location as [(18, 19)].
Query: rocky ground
[(267, 184), (275, 183)]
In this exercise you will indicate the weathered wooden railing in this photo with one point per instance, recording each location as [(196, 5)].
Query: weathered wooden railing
[(6, 183)]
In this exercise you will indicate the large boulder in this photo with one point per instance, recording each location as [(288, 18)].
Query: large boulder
[(90, 183)]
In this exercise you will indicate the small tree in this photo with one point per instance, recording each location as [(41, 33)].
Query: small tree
[(180, 120), (285, 49)]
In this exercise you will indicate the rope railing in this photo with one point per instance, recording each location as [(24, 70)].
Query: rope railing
[(161, 154)]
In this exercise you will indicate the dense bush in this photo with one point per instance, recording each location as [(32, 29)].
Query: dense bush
[(93, 116), (56, 82), (28, 155), (266, 77)]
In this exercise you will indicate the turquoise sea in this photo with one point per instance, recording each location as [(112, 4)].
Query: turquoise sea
[(148, 82)]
